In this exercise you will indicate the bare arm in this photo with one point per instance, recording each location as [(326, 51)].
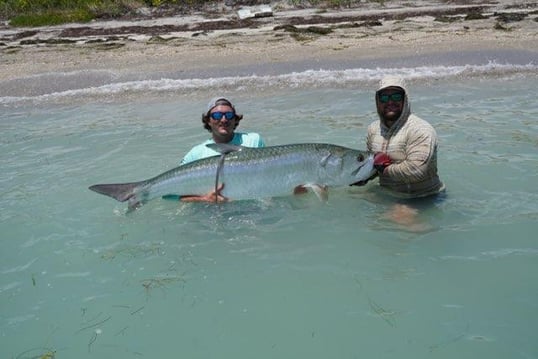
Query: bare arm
[(213, 196)]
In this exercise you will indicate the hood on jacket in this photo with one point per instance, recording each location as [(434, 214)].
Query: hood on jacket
[(392, 81), (395, 81)]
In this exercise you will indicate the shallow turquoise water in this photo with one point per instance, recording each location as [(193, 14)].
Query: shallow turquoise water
[(281, 278)]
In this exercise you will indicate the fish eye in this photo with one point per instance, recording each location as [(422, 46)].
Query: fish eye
[(360, 158)]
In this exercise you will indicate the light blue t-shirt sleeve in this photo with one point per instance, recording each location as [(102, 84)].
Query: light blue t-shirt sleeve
[(251, 139), (200, 151)]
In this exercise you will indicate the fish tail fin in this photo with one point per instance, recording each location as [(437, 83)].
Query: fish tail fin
[(119, 191)]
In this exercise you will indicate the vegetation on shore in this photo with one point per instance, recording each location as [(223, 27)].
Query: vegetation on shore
[(54, 12), (34, 13)]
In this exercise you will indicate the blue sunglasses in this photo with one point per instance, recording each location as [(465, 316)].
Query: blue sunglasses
[(217, 116)]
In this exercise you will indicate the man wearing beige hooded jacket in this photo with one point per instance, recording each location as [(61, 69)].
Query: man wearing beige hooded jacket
[(405, 145)]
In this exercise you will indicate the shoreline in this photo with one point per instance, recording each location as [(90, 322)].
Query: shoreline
[(351, 36)]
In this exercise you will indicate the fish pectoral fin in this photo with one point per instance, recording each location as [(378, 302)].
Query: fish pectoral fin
[(171, 197), (224, 148), (321, 191), (323, 162)]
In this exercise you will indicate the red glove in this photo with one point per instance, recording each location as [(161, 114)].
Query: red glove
[(381, 161)]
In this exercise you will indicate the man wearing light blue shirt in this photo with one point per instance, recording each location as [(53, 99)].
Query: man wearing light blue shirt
[(221, 120)]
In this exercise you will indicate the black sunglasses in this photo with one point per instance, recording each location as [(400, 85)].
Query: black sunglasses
[(395, 97), (217, 116)]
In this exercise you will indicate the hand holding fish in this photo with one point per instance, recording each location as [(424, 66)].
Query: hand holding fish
[(213, 196), (381, 161)]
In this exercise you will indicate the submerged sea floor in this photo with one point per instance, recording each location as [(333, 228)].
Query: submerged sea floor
[(286, 277)]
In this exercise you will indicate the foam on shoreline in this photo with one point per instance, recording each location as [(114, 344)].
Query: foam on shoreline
[(64, 85)]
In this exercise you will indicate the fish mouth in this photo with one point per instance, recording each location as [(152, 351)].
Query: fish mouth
[(364, 181)]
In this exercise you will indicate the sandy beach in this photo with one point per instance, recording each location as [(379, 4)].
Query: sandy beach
[(218, 41)]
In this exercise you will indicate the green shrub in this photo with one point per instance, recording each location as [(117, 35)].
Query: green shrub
[(51, 18)]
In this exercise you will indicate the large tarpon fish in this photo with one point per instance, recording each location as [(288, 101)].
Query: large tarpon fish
[(251, 173)]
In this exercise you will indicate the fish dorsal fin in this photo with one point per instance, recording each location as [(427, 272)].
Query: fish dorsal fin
[(224, 148)]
